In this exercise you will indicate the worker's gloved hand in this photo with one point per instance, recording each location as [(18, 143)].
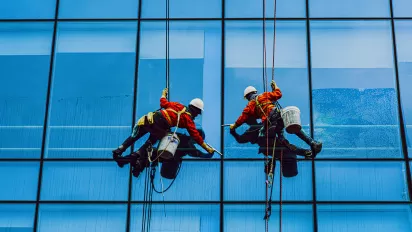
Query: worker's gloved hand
[(208, 148), (164, 92), (273, 85), (232, 126)]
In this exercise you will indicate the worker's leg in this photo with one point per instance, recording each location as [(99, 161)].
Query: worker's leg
[(138, 132), (315, 145), (307, 153)]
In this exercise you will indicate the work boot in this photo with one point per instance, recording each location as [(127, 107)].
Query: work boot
[(314, 145), (117, 156), (138, 166)]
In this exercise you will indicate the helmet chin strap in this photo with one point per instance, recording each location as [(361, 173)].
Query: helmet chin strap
[(252, 96)]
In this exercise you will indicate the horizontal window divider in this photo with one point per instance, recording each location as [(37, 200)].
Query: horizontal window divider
[(248, 202), (205, 19)]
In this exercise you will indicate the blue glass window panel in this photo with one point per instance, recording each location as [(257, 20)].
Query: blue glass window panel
[(23, 90), (182, 218), (349, 8), (243, 67), (98, 9), (295, 218), (254, 9), (237, 175), (196, 181), (104, 218), (28, 9), (195, 70), (16, 217), (182, 9), (361, 181), (354, 96), (84, 181), (19, 181), (402, 8), (92, 92), (363, 218), (404, 51)]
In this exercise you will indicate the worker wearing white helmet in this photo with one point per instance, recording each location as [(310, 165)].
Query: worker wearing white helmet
[(158, 124), (261, 106)]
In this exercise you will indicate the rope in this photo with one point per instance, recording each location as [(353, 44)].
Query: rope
[(274, 41), (265, 84), (163, 191), (267, 119), (167, 44), (148, 189)]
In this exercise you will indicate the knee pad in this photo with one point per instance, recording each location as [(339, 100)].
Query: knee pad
[(289, 167)]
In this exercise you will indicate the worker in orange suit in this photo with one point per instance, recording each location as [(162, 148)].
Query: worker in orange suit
[(158, 124), (261, 106)]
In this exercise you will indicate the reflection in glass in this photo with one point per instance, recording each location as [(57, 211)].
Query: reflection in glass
[(195, 61), (364, 218), (403, 31), (18, 180), (84, 181), (24, 71), (254, 9), (104, 218), (98, 9), (182, 9), (16, 217), (349, 8), (354, 98), (92, 92), (401, 8), (239, 218), (28, 9), (361, 181), (196, 181), (243, 67), (182, 217), (246, 181)]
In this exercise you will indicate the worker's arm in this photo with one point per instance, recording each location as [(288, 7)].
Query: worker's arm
[(198, 154), (164, 103), (276, 94), (239, 138), (191, 128), (242, 118)]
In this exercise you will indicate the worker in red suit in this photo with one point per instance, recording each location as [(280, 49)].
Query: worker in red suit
[(262, 106), (158, 124)]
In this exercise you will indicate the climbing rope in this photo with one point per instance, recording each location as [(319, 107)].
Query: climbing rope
[(149, 180), (269, 174)]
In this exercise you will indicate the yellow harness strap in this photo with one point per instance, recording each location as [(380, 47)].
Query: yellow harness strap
[(174, 111)]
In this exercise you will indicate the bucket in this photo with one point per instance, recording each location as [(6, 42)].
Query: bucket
[(169, 169), (291, 119), (168, 146)]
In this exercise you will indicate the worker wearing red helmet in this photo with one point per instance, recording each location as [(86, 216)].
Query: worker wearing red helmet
[(262, 106), (158, 124)]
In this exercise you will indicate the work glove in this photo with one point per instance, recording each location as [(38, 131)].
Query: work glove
[(208, 148), (273, 85), (164, 92), (232, 126)]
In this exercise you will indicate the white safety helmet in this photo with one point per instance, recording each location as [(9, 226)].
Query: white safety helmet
[(197, 102), (249, 89)]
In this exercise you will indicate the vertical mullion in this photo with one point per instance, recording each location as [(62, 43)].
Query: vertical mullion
[(135, 85), (46, 116), (308, 44), (398, 96), (222, 118)]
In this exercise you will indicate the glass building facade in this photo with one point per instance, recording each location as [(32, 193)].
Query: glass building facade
[(76, 74)]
